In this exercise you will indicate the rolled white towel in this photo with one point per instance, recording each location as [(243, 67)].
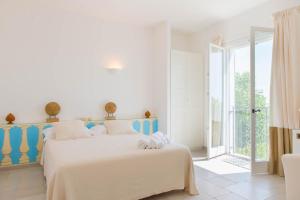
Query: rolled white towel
[(150, 143), (155, 143), (162, 137)]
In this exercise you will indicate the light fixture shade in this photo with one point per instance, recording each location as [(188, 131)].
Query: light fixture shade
[(114, 67)]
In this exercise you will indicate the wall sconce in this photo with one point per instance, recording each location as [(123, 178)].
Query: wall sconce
[(114, 66)]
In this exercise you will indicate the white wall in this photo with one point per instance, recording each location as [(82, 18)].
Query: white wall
[(181, 41), (234, 30), (161, 75), (56, 55)]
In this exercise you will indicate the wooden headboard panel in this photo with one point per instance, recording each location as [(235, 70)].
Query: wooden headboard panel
[(23, 143)]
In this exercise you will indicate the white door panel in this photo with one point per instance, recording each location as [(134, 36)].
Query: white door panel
[(186, 98)]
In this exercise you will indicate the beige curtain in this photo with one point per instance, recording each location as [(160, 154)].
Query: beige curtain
[(285, 85)]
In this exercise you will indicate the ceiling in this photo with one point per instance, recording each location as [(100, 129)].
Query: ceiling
[(183, 15)]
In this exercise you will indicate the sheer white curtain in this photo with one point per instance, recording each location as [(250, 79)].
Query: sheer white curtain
[(285, 85)]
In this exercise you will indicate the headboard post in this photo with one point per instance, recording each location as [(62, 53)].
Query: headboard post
[(24, 145), (6, 147)]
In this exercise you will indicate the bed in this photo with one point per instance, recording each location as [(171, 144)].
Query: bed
[(111, 167)]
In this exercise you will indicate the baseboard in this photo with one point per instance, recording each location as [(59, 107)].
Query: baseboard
[(198, 148), (20, 166)]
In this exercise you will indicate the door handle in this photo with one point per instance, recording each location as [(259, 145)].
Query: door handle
[(256, 110)]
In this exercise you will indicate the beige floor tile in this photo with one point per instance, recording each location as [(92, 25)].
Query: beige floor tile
[(211, 189), (7, 194), (250, 191), (34, 197), (221, 181), (238, 177), (277, 197), (268, 181), (230, 196), (204, 174)]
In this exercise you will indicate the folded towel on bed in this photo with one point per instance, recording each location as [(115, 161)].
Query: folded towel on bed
[(149, 143), (155, 141), (161, 137)]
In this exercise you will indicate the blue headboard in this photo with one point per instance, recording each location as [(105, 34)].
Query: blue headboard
[(23, 143)]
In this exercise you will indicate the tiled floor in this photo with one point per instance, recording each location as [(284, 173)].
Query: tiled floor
[(216, 180)]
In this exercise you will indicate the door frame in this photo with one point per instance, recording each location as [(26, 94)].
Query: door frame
[(256, 166), (220, 150)]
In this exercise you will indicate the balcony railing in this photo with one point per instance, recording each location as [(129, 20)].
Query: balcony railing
[(240, 132)]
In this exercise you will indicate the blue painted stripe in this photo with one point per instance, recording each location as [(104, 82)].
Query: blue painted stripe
[(155, 125), (90, 125), (146, 127), (15, 136), (1, 143), (137, 126), (32, 140)]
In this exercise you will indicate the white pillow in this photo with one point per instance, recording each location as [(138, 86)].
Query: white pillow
[(48, 133), (115, 127), (98, 130), (70, 130)]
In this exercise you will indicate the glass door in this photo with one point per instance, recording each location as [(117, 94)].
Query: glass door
[(239, 117), (261, 61), (216, 137)]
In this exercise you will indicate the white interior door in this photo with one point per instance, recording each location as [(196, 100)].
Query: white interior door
[(216, 133), (261, 61), (186, 98)]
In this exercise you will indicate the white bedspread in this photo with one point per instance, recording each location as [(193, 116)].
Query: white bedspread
[(113, 168)]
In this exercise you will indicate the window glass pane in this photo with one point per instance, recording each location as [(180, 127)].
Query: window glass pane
[(216, 94), (240, 116), (263, 63)]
